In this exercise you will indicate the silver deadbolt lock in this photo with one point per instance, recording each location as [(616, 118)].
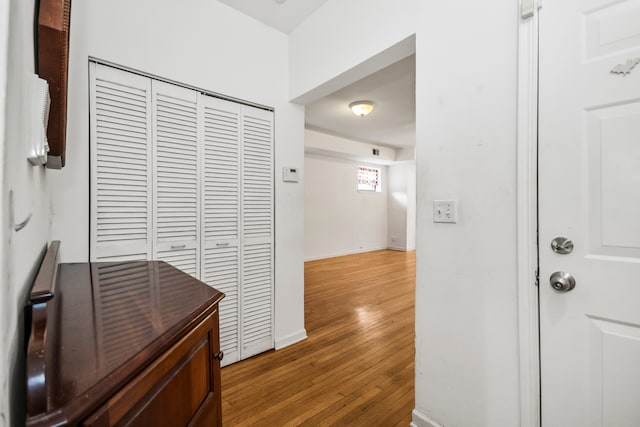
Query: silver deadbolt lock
[(562, 245), (562, 281)]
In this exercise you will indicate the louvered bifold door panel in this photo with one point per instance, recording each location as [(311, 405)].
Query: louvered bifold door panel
[(257, 173), (176, 177), (221, 270), (257, 299), (221, 172), (221, 214), (121, 204), (257, 231)]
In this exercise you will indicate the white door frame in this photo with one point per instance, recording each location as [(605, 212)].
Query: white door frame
[(527, 215)]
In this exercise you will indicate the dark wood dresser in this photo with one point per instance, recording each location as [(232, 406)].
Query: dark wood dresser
[(122, 343)]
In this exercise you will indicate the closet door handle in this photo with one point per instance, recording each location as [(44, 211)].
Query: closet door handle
[(178, 246), (222, 245)]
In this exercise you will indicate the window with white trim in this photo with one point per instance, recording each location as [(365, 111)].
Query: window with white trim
[(369, 179)]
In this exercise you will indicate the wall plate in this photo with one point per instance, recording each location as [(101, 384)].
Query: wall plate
[(445, 211), (290, 174)]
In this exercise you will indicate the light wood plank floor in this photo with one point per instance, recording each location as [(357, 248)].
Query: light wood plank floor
[(356, 368)]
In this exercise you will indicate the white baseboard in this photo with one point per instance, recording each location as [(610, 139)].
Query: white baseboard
[(398, 248), (337, 254), (401, 248), (418, 419), (291, 339)]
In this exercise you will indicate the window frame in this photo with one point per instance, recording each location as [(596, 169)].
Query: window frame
[(378, 176)]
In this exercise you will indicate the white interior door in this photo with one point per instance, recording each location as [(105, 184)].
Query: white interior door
[(589, 192)]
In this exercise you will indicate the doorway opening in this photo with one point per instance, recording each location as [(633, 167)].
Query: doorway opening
[(360, 228)]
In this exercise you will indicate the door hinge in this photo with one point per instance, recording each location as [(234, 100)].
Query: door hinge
[(529, 7), (537, 276)]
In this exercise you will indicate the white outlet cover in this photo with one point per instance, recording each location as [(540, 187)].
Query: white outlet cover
[(445, 211), (290, 174)]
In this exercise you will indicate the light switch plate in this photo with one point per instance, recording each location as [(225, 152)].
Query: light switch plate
[(445, 211), (289, 174)]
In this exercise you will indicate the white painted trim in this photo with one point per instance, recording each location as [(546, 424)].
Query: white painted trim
[(418, 419), (291, 339), (7, 330), (527, 222)]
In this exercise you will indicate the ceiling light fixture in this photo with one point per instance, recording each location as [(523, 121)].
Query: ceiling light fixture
[(361, 108)]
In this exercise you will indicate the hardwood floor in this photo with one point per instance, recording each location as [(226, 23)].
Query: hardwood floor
[(356, 368)]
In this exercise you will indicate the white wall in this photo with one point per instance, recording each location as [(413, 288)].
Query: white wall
[(340, 220), (336, 146), (466, 305), (343, 34), (467, 152), (411, 206), (397, 207), (402, 206), (20, 252), (206, 44)]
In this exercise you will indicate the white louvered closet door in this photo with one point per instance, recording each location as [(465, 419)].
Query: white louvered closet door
[(176, 191), (121, 204), (257, 300), (221, 214), (187, 178)]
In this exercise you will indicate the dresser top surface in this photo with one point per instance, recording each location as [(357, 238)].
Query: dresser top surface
[(111, 320)]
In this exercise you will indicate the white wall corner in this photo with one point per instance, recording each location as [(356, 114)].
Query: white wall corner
[(291, 339), (406, 154), (418, 419)]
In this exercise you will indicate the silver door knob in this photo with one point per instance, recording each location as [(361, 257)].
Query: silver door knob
[(561, 281), (562, 245)]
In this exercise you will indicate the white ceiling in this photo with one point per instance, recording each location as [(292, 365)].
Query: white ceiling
[(281, 15), (393, 119), (392, 89)]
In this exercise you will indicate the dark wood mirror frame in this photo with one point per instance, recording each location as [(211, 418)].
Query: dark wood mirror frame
[(53, 62)]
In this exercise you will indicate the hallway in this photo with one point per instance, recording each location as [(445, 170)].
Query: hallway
[(357, 365)]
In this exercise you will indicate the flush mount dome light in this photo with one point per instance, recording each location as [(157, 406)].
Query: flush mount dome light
[(361, 108)]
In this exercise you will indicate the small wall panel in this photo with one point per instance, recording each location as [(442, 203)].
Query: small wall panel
[(613, 134), (615, 379), (612, 28)]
